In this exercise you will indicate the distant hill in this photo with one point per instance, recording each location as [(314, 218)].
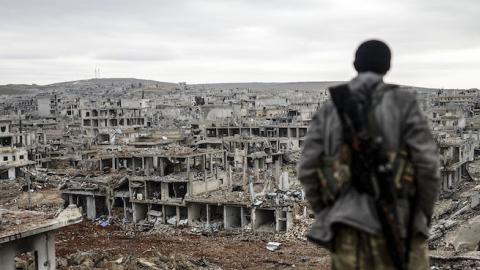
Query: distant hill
[(111, 82), (269, 85), (151, 85), (19, 89), (104, 83)]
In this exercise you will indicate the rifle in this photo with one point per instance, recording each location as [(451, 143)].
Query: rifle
[(372, 166)]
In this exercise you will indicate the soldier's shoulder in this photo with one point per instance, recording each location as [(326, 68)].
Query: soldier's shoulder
[(400, 94)]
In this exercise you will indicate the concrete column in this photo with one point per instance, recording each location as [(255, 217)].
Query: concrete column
[(155, 162), (253, 219), (7, 256), (162, 167), (277, 220), (226, 222), (189, 176), (205, 172), (225, 159), (164, 215), (256, 166), (43, 244), (189, 189), (290, 219), (45, 247), (113, 164), (242, 216), (146, 166), (109, 204), (229, 177), (11, 173), (244, 175), (277, 172), (164, 191), (70, 199), (91, 209), (177, 214), (124, 209), (208, 214), (211, 163)]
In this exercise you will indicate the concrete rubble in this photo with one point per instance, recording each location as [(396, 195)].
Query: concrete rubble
[(152, 159)]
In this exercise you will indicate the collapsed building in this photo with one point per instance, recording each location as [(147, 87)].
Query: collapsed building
[(32, 235), (209, 157)]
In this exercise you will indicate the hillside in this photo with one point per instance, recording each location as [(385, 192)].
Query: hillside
[(134, 85), (91, 84)]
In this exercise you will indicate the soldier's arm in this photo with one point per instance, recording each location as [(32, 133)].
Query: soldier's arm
[(425, 157), (309, 161)]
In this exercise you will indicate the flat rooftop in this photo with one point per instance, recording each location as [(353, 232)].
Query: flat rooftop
[(20, 224)]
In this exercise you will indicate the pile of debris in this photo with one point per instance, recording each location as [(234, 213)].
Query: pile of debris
[(48, 201), (279, 197), (177, 149), (299, 229), (455, 233), (9, 190), (207, 229), (101, 260)]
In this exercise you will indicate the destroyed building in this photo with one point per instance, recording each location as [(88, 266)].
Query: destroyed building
[(208, 158)]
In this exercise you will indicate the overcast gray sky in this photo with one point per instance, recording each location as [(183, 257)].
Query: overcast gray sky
[(435, 43)]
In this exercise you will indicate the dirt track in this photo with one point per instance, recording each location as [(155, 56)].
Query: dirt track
[(228, 252)]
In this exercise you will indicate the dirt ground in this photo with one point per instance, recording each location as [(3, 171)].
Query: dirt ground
[(223, 251)]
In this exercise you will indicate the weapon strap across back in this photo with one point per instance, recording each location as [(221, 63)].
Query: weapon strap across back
[(345, 104)]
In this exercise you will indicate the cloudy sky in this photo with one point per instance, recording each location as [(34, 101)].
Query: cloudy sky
[(436, 43)]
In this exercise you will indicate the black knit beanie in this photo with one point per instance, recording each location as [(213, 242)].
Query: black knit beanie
[(373, 55)]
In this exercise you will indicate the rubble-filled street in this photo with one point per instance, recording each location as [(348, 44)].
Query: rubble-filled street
[(89, 245)]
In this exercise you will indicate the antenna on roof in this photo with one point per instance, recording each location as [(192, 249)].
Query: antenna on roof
[(96, 72)]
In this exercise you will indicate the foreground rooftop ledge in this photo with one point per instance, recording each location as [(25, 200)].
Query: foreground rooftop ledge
[(16, 225)]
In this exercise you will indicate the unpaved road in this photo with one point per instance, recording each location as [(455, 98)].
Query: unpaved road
[(226, 251)]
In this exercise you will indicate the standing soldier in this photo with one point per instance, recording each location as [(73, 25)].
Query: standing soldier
[(370, 170)]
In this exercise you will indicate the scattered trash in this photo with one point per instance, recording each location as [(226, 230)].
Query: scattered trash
[(104, 222), (172, 220), (273, 246)]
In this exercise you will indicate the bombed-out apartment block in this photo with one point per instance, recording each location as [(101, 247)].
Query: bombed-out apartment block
[(454, 123), (197, 156), (14, 153), (105, 120), (455, 155), (176, 186), (282, 136)]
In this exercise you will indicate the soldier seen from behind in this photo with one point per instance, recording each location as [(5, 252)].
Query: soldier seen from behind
[(370, 170)]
